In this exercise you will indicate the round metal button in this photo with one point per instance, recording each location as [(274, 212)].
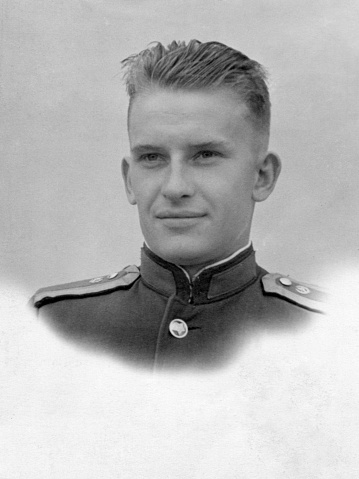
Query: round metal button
[(302, 289), (178, 328), (285, 281), (95, 280)]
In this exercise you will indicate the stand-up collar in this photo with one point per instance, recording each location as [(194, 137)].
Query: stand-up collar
[(211, 284)]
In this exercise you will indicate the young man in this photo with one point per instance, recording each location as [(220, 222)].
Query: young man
[(198, 125)]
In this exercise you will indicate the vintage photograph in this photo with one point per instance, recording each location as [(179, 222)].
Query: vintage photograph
[(179, 249)]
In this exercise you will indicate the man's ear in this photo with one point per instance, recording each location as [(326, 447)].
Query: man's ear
[(125, 168), (268, 170)]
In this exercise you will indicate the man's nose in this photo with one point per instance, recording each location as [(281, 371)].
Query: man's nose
[(177, 182)]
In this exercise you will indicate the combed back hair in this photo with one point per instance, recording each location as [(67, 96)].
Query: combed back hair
[(200, 65)]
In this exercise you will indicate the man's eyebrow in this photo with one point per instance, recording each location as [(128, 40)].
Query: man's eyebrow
[(195, 146), (210, 145), (145, 148)]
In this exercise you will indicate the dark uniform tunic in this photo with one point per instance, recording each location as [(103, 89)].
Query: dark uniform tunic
[(156, 317)]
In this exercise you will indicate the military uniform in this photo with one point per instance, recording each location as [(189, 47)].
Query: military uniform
[(156, 316)]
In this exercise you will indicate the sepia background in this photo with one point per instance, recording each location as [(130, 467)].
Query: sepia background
[(64, 214)]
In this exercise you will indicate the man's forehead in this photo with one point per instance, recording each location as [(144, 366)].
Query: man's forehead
[(155, 95), (171, 106)]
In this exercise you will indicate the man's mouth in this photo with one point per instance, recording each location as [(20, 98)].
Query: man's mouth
[(184, 214)]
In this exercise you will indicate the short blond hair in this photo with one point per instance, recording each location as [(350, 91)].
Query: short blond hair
[(198, 65)]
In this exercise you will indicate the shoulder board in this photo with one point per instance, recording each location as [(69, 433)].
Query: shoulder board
[(303, 294), (87, 287)]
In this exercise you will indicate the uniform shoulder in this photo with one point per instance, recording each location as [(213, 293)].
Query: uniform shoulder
[(306, 295), (89, 287)]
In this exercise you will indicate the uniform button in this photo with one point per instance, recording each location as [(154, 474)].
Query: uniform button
[(96, 280), (302, 289), (285, 281), (178, 328)]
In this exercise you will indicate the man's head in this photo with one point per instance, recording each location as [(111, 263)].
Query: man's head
[(198, 125)]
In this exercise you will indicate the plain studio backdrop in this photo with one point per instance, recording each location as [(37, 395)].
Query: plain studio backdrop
[(65, 216)]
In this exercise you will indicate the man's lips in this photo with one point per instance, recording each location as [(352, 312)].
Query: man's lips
[(179, 214)]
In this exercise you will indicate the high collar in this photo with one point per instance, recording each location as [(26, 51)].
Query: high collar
[(211, 284)]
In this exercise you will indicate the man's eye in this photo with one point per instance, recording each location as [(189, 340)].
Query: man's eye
[(150, 157), (206, 154)]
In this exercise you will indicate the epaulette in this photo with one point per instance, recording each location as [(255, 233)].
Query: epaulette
[(303, 294), (89, 287)]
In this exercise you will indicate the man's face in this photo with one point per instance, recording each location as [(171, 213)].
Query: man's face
[(192, 173)]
